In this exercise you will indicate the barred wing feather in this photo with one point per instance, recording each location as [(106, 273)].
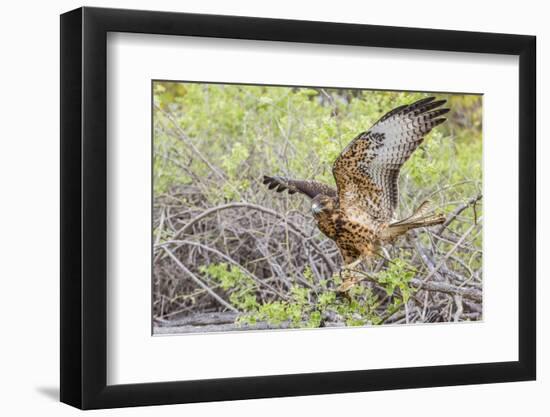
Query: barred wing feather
[(307, 187), (367, 170)]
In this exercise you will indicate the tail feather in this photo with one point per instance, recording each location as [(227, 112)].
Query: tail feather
[(423, 216), (423, 210), (398, 229)]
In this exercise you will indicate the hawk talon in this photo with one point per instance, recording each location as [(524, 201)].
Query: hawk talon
[(348, 277), (347, 285)]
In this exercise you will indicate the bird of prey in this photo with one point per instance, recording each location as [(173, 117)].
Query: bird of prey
[(359, 214)]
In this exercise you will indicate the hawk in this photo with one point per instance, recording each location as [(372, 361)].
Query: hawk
[(359, 213)]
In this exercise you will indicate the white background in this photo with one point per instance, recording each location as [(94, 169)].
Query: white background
[(134, 356), (29, 174)]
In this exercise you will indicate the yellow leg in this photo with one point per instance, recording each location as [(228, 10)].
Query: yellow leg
[(354, 263), (349, 279)]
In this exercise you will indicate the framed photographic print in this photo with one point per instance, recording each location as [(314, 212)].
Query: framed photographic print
[(257, 207)]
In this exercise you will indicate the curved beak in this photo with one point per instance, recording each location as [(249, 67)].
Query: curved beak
[(316, 208)]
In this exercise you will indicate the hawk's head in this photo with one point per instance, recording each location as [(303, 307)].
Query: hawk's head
[(322, 204)]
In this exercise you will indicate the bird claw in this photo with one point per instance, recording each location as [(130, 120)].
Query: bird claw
[(349, 280), (347, 285)]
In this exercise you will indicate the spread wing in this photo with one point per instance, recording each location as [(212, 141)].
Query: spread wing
[(309, 188), (367, 170)]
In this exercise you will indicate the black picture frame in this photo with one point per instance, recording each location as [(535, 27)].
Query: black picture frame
[(84, 207)]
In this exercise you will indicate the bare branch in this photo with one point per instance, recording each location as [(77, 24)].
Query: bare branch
[(293, 227), (199, 282)]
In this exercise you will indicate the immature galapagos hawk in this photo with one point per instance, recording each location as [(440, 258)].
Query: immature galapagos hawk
[(358, 214)]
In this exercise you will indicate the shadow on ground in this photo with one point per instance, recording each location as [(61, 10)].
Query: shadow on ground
[(49, 392)]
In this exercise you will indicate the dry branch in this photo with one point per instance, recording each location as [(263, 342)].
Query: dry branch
[(293, 227), (200, 283), (227, 259)]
